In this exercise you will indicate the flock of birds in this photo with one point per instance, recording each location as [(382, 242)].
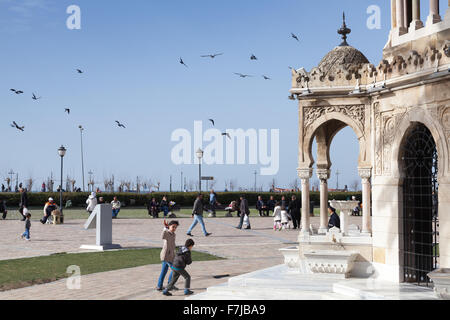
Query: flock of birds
[(252, 57), (121, 125), (35, 97)]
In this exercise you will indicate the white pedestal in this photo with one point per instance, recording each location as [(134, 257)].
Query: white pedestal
[(101, 220)]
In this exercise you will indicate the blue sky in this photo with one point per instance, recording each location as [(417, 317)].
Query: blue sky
[(129, 51)]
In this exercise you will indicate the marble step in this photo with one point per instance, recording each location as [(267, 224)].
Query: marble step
[(380, 290)]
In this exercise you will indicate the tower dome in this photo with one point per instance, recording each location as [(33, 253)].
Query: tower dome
[(343, 55)]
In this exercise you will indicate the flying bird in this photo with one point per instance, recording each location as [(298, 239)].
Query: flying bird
[(120, 125), (212, 56), (253, 57), (243, 75), (15, 125), (227, 135), (79, 71), (35, 97), (67, 110), (212, 121), (17, 91), (182, 62), (295, 37), (266, 77)]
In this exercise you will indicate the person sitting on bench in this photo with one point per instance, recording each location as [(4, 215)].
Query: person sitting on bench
[(50, 206)]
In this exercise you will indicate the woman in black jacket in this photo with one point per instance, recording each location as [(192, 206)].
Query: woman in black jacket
[(335, 221)]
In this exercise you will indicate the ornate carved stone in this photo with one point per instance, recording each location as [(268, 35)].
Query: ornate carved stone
[(305, 174), (365, 173), (356, 112), (323, 174)]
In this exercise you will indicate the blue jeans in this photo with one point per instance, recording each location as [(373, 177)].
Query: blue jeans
[(165, 268), (26, 234), (166, 210), (115, 212), (198, 219)]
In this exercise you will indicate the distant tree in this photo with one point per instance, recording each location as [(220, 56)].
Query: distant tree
[(29, 184), (355, 185)]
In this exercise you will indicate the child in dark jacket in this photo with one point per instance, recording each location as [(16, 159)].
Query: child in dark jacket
[(182, 259)]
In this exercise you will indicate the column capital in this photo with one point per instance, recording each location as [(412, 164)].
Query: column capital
[(305, 174), (323, 174), (365, 173)]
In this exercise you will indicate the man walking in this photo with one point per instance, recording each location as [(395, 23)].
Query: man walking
[(294, 210), (245, 212), (197, 213), (23, 203)]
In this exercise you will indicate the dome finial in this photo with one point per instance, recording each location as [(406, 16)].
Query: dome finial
[(344, 31)]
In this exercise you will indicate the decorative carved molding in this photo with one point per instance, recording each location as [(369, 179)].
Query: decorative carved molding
[(323, 174), (356, 112), (305, 174), (365, 173)]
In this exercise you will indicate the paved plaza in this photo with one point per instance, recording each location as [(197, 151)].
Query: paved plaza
[(245, 251)]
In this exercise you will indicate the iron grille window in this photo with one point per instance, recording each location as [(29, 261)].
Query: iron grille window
[(420, 213)]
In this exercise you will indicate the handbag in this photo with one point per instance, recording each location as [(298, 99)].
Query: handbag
[(246, 220)]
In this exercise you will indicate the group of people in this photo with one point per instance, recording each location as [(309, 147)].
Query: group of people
[(154, 207)]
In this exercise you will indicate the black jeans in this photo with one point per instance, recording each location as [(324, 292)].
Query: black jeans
[(296, 217), (261, 212), (176, 276), (4, 215)]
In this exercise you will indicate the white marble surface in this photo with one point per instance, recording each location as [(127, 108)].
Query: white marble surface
[(277, 284)]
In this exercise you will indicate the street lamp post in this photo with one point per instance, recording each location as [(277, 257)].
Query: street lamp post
[(200, 157), (62, 153), (82, 156)]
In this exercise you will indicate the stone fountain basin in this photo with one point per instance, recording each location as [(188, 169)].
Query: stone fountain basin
[(441, 280), (331, 263)]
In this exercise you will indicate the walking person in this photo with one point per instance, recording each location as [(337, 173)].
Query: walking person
[(245, 214), (115, 207), (91, 202), (277, 217), (168, 251), (212, 204), (294, 210), (335, 221), (26, 234), (197, 213), (3, 209), (181, 261), (23, 203)]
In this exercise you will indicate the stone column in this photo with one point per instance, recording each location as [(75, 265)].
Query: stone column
[(366, 174), (447, 14), (394, 14), (305, 175), (400, 13), (323, 175), (434, 16), (416, 23)]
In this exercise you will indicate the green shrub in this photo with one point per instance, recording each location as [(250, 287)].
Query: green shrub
[(182, 199)]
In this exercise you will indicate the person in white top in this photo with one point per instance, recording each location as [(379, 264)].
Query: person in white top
[(277, 217), (115, 207), (285, 218), (91, 202)]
